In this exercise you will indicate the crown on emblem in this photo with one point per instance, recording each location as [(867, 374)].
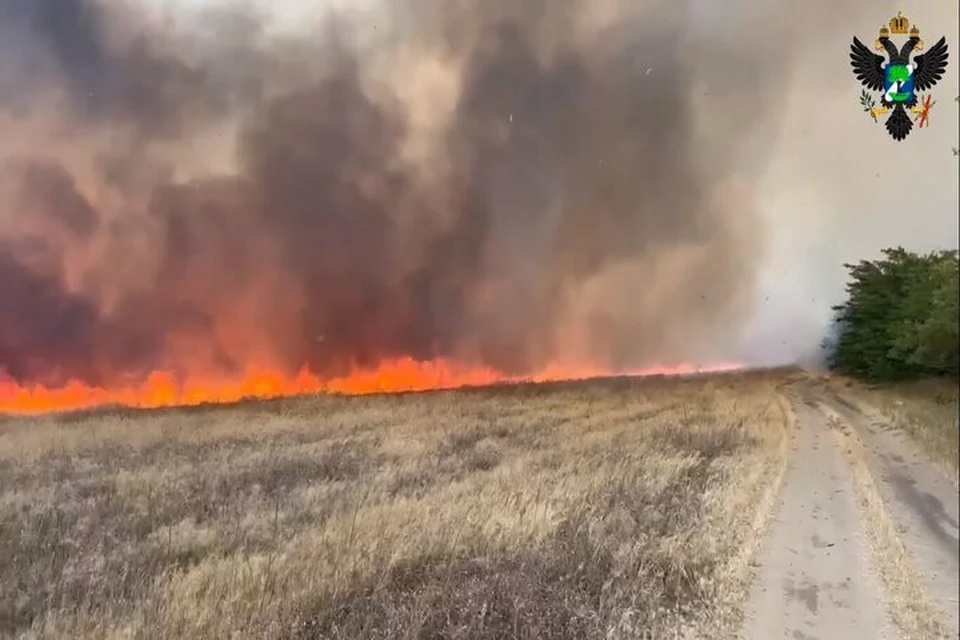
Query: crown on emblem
[(914, 32), (899, 24)]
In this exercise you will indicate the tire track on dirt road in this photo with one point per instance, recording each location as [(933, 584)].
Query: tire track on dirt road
[(814, 580), (921, 502), (863, 540)]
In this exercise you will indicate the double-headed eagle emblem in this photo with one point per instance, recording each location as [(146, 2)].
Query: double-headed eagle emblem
[(899, 80)]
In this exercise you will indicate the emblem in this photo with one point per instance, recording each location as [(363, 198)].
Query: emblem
[(899, 81)]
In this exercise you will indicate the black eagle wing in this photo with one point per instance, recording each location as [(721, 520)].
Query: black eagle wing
[(867, 66), (930, 67)]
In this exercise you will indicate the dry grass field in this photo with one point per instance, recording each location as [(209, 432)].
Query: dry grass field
[(600, 509)]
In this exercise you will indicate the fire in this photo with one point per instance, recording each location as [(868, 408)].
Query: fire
[(161, 389)]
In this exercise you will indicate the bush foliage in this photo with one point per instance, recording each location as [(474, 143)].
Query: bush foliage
[(900, 319)]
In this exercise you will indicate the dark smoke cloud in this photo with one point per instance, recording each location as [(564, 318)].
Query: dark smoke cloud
[(203, 203)]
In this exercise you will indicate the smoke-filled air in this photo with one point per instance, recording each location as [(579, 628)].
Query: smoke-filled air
[(207, 201)]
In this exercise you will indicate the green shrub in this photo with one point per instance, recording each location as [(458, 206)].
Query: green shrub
[(900, 319)]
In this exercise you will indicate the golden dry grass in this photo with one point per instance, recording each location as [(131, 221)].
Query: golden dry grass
[(603, 509), (927, 411)]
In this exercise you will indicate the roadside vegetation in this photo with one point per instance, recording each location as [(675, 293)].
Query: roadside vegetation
[(901, 319), (927, 410), (897, 339)]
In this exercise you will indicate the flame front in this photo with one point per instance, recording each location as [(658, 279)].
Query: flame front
[(161, 389), (192, 216)]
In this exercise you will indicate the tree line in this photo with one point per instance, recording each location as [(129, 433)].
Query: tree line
[(901, 318)]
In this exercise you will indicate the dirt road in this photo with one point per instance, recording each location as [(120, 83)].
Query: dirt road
[(921, 501), (863, 543)]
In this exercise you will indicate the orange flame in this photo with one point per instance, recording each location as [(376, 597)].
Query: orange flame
[(160, 389)]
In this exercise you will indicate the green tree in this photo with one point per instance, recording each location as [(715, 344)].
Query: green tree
[(929, 337), (900, 319)]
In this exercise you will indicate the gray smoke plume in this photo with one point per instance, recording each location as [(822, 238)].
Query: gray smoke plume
[(506, 183)]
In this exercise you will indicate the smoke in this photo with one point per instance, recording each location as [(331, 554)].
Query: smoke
[(212, 186), (838, 189)]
